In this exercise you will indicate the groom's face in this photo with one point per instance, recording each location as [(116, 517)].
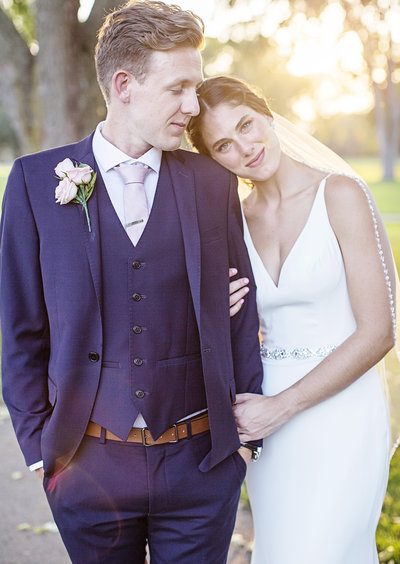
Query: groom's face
[(161, 105)]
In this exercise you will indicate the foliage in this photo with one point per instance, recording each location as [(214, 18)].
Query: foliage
[(388, 532), (258, 63), (21, 13), (369, 27), (47, 108), (393, 230), (8, 138), (48, 81), (4, 170)]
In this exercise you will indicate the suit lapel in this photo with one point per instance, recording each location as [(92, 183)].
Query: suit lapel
[(84, 154), (183, 184), (184, 188)]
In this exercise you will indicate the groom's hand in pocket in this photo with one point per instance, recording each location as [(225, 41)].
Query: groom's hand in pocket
[(245, 453), (40, 473)]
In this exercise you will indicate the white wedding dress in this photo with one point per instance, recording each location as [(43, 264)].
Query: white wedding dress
[(317, 490)]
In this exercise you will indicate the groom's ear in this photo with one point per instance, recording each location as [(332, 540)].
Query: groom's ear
[(121, 85)]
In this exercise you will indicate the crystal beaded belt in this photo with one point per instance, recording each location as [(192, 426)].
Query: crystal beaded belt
[(298, 353)]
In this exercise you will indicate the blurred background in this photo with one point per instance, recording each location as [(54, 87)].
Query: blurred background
[(333, 67)]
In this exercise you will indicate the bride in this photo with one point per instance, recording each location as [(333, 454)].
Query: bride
[(324, 275)]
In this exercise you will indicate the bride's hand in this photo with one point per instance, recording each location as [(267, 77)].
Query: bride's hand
[(258, 416), (237, 290)]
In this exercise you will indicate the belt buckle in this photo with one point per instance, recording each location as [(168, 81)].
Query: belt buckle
[(175, 428), (146, 444), (143, 431)]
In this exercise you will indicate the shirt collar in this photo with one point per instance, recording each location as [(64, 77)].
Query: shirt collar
[(108, 155)]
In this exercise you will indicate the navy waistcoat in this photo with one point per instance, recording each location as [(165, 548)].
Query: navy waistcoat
[(151, 350)]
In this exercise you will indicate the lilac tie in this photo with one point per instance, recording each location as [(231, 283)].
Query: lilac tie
[(135, 202)]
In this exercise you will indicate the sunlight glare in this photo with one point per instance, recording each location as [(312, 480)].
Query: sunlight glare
[(315, 42), (85, 9), (379, 75), (350, 52), (222, 63), (277, 12), (393, 21), (304, 108)]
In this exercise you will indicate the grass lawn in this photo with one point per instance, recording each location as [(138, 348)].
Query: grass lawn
[(4, 170), (387, 195)]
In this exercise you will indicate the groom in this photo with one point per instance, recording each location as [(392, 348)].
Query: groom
[(120, 363)]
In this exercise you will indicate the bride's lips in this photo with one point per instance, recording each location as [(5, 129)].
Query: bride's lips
[(257, 159)]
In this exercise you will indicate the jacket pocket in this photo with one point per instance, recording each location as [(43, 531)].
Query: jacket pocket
[(178, 360)]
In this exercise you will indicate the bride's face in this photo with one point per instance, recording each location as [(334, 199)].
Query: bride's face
[(242, 140)]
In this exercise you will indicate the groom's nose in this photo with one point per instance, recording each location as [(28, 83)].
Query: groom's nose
[(190, 103)]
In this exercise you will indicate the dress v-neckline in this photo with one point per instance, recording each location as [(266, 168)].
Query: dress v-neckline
[(299, 237)]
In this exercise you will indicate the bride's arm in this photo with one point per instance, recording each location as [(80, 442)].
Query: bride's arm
[(349, 214)]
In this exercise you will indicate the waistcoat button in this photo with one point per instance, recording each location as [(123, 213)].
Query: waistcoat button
[(137, 297), (94, 356), (138, 362), (136, 264), (139, 394), (137, 329)]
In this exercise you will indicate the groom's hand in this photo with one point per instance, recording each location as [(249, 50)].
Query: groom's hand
[(245, 453), (40, 473), (237, 291)]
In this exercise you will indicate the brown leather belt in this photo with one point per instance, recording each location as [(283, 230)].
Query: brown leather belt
[(179, 431)]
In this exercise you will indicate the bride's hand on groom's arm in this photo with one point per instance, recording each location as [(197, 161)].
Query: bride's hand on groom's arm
[(259, 416), (237, 291)]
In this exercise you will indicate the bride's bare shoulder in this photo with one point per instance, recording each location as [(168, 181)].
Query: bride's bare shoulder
[(347, 199)]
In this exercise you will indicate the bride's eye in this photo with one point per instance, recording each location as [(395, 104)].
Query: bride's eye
[(246, 126), (223, 147)]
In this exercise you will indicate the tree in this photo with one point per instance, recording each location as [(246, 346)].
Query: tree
[(48, 88), (376, 25)]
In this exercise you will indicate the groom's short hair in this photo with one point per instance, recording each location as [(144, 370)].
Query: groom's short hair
[(130, 34)]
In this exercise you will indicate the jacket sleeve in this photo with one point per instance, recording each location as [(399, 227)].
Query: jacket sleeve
[(24, 323), (245, 324)]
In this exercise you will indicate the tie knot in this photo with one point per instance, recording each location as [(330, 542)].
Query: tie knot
[(133, 172)]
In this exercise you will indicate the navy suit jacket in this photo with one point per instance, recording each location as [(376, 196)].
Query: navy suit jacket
[(51, 290)]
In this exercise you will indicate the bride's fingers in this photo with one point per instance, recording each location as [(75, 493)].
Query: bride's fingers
[(237, 307), (237, 291), (238, 287), (241, 398), (237, 296)]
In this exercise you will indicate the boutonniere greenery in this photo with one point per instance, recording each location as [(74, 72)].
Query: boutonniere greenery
[(76, 184)]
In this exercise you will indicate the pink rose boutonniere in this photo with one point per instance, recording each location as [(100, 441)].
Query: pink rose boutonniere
[(76, 184)]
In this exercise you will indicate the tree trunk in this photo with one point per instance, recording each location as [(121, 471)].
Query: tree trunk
[(387, 120), (381, 129), (52, 98), (393, 104), (58, 70), (386, 108), (16, 85)]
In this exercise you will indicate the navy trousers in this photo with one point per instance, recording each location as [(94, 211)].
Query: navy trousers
[(114, 498)]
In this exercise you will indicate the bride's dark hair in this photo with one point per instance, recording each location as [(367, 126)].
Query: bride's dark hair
[(218, 90)]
